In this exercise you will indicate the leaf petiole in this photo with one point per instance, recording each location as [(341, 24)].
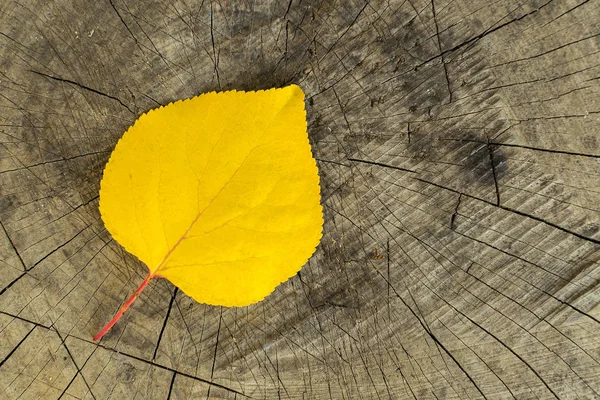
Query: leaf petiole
[(124, 308)]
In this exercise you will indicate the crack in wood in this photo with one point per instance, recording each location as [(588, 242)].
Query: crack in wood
[(76, 366), (455, 213), (14, 349), (214, 361), (79, 85), (493, 166), (439, 41), (485, 33), (381, 165), (520, 146), (162, 330), (515, 211), (12, 244), (55, 161), (172, 384)]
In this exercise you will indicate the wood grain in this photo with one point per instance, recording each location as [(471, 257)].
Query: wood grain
[(458, 148)]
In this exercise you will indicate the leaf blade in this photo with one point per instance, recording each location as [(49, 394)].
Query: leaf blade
[(193, 185)]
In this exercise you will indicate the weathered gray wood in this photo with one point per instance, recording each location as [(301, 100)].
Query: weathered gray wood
[(459, 155)]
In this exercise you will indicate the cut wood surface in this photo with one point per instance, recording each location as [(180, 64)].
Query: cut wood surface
[(459, 152)]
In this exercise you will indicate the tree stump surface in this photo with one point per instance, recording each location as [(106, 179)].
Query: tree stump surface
[(458, 148)]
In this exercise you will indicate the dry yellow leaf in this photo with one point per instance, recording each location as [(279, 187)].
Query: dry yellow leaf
[(219, 194)]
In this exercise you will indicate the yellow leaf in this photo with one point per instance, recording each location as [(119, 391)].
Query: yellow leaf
[(219, 194)]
